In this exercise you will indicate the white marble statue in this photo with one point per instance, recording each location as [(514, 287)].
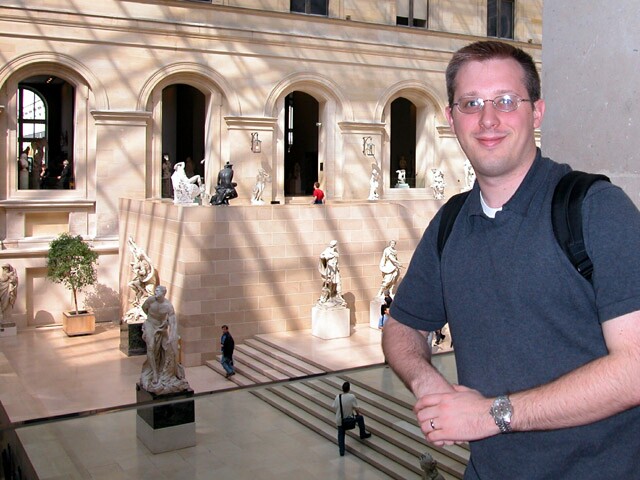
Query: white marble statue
[(438, 184), (329, 269), (402, 178), (185, 189), (8, 289), (469, 176), (161, 371), (374, 182), (261, 180), (390, 267), (143, 283)]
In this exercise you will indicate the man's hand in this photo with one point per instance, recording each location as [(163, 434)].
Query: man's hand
[(460, 416)]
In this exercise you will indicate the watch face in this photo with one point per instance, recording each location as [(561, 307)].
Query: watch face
[(501, 411)]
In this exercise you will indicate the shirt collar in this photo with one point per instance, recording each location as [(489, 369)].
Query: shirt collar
[(520, 202)]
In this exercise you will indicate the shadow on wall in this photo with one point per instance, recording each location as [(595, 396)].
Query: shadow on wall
[(42, 317), (104, 302), (350, 298)]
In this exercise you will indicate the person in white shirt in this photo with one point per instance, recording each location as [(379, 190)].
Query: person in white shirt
[(349, 409)]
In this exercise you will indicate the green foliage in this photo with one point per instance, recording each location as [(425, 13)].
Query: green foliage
[(71, 261)]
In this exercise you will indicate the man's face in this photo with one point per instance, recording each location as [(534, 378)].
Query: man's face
[(498, 144)]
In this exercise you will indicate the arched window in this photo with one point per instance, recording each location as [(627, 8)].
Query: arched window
[(32, 129), (45, 106)]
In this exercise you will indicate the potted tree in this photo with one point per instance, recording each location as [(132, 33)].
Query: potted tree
[(72, 262)]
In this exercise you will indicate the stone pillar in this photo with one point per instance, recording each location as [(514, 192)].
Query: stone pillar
[(590, 64)]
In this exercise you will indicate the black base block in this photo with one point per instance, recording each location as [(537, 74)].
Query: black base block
[(131, 342), (167, 415)]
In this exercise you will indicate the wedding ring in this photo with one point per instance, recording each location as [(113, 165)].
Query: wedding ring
[(433, 427)]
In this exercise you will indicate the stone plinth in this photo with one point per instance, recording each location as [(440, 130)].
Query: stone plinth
[(131, 342), (374, 311), (8, 329), (329, 323), (166, 427)]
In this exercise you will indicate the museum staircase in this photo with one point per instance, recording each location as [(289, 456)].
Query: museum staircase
[(304, 391)]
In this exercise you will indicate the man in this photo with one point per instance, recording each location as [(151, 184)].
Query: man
[(226, 347), (502, 279), (384, 316), (349, 408), (64, 179)]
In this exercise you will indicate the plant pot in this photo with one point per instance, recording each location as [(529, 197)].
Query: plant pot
[(81, 323)]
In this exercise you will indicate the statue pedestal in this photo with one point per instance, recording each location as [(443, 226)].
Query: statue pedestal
[(329, 323), (166, 427), (131, 342), (374, 311), (8, 329)]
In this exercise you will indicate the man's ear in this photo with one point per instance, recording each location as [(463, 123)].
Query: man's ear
[(538, 113), (449, 114)]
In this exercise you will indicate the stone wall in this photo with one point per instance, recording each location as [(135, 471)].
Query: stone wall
[(256, 268)]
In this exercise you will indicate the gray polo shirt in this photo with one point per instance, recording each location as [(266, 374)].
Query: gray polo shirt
[(521, 316)]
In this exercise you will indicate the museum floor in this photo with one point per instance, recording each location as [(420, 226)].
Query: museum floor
[(44, 373)]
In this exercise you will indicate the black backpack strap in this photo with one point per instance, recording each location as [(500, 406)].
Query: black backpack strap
[(450, 212), (566, 217)]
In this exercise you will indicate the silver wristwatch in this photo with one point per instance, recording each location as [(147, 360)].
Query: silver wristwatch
[(501, 411)]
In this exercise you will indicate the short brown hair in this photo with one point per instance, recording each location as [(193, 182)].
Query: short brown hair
[(489, 50)]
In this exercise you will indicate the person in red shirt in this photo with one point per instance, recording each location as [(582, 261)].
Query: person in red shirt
[(318, 195)]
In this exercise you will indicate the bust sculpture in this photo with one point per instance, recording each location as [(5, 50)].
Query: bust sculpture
[(161, 371), (429, 467), (329, 269)]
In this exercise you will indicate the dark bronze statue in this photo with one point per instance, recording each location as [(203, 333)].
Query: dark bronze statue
[(226, 188)]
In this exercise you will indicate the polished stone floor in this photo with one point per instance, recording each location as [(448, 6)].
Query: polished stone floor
[(44, 373)]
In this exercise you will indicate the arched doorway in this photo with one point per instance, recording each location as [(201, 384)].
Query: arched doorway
[(183, 131), (403, 141), (300, 129)]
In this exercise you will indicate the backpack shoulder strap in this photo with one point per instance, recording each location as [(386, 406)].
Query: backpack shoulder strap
[(449, 214), (566, 217)]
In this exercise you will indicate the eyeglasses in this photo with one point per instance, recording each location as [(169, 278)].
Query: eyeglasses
[(503, 103)]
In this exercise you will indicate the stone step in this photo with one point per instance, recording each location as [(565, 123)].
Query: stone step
[(239, 379), (410, 423), (275, 346), (333, 386), (354, 446), (270, 361), (249, 365), (394, 430), (284, 357)]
